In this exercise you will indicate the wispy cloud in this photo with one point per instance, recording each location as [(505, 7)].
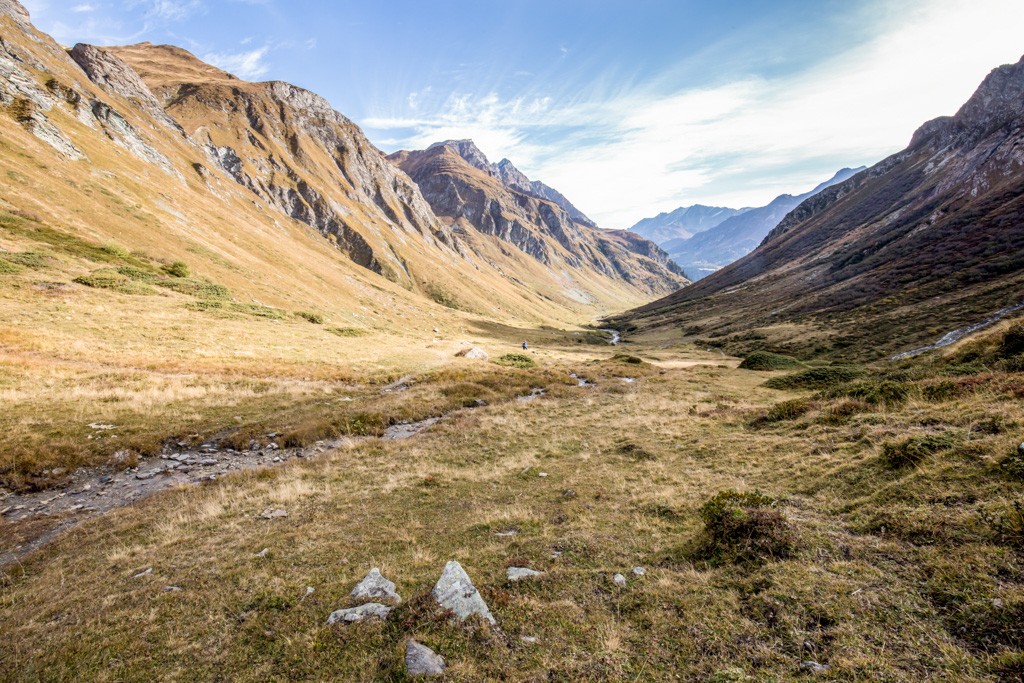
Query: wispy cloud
[(249, 65), (651, 147)]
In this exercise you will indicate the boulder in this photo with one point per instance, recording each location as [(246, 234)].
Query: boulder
[(376, 586), (456, 592), (420, 660), (371, 610), (475, 353), (620, 581)]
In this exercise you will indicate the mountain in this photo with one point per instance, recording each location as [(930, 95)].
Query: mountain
[(477, 198), (928, 240), (739, 234), (261, 187), (682, 223)]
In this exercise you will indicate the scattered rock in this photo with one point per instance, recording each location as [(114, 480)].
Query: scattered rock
[(620, 581), (639, 571), (569, 494), (145, 475), (506, 534), (542, 474), (263, 553), (529, 640), (813, 667), (456, 592), (475, 353), (273, 513), (144, 573), (309, 591), (172, 589), (520, 573), (376, 586), (420, 660), (371, 610)]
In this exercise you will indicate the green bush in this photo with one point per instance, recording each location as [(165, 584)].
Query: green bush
[(309, 316), (6, 267), (913, 450), (765, 360), (743, 528), (626, 358), (516, 360), (114, 281), (816, 378), (889, 393), (177, 269)]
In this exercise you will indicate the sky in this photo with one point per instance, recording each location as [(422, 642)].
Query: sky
[(628, 107)]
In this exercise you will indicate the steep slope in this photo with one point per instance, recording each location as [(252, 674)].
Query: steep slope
[(928, 240), (738, 235), (666, 229), (479, 199)]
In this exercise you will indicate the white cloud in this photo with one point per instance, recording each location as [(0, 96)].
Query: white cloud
[(84, 7), (248, 65), (739, 143)]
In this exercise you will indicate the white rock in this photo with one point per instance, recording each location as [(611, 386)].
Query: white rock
[(456, 592), (420, 660), (371, 610), (263, 553), (529, 640), (639, 571), (273, 513), (520, 573), (145, 573), (376, 586), (620, 581)]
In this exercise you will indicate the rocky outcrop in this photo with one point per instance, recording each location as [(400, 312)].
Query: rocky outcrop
[(463, 187)]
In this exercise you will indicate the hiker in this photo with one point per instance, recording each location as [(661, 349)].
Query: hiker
[(525, 347)]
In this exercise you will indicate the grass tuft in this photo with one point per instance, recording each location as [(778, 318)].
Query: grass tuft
[(816, 378), (516, 360), (741, 528), (914, 450), (765, 361)]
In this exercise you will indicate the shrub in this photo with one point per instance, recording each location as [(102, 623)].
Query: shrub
[(1013, 464), (516, 360), (177, 269), (635, 452), (889, 393), (309, 316), (841, 412), (913, 450), (965, 369), (1013, 341), (765, 360), (785, 411), (744, 527), (625, 358), (6, 267), (115, 281), (816, 378)]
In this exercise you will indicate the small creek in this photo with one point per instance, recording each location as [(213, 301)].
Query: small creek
[(958, 334)]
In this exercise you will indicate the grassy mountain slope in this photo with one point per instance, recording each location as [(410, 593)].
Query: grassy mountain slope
[(926, 241)]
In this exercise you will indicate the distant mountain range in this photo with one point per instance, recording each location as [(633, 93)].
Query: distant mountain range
[(702, 239), (928, 240)]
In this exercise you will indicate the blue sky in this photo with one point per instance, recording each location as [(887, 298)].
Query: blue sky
[(631, 107)]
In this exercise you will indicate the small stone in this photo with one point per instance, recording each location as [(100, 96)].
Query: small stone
[(813, 667), (273, 513), (542, 474), (620, 581), (263, 553), (520, 573), (374, 585), (529, 640), (555, 554), (272, 446), (456, 592), (145, 475), (639, 571), (506, 534), (208, 462), (144, 573), (371, 610), (420, 660), (997, 602), (172, 589)]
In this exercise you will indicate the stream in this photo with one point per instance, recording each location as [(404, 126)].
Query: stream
[(958, 334)]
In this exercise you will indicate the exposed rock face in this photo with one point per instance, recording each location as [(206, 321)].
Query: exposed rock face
[(930, 233), (456, 592), (514, 178), (15, 10), (463, 187), (682, 223)]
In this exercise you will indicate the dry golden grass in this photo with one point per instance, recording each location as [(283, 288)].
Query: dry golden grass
[(894, 577)]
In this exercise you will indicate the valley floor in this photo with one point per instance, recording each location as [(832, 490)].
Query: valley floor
[(852, 559)]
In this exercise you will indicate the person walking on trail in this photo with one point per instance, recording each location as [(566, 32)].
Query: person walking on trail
[(525, 346)]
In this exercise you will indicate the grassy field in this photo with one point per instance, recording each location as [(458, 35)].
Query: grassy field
[(871, 522)]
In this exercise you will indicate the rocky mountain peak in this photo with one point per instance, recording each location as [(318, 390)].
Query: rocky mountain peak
[(468, 150), (15, 10)]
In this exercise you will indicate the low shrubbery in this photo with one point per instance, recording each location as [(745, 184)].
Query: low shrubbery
[(765, 360), (816, 378), (516, 360), (913, 450), (744, 527)]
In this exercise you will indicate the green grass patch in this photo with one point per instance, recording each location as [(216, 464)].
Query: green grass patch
[(785, 411), (914, 450), (765, 361), (816, 378), (347, 331), (106, 278), (516, 360), (742, 528), (309, 316), (626, 358)]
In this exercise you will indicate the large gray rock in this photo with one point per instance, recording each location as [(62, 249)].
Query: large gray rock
[(376, 586), (371, 610), (420, 660), (456, 592)]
